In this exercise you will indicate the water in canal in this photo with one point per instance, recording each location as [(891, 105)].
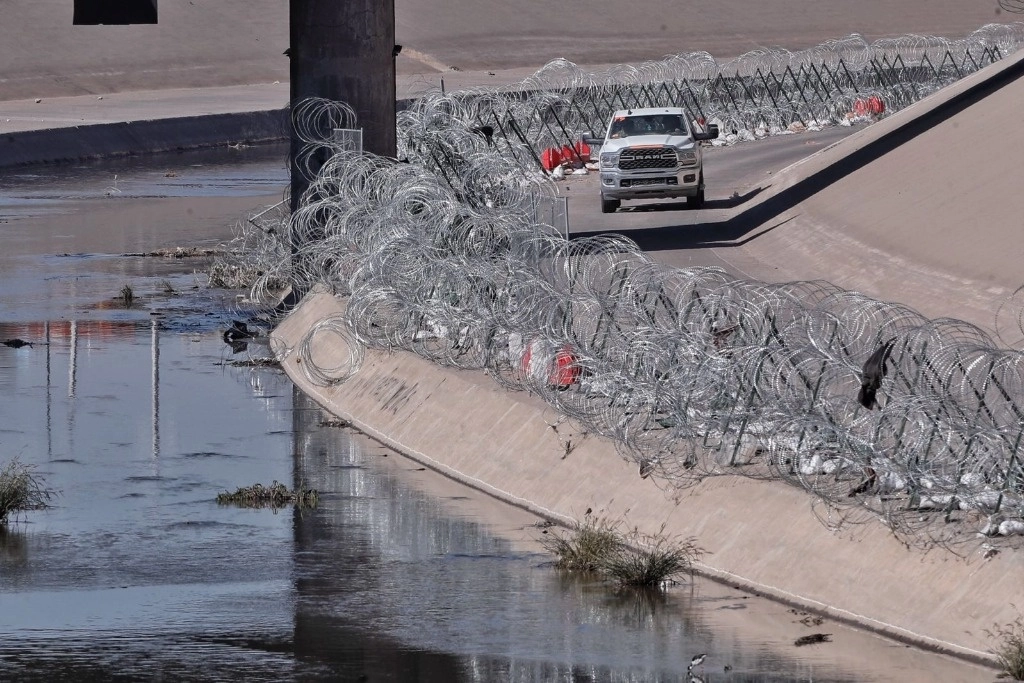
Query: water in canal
[(139, 416)]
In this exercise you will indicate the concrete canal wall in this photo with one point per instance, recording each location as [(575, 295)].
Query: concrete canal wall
[(761, 536), (105, 140)]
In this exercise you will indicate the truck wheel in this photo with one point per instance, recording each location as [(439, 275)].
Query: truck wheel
[(697, 200), (609, 205)]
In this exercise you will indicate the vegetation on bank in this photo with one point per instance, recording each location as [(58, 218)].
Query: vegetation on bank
[(21, 490), (629, 558), (583, 547), (1009, 649), (275, 496)]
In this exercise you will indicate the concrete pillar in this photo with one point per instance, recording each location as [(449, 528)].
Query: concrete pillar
[(344, 50)]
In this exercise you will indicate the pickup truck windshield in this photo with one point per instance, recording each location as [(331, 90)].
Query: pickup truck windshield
[(654, 124)]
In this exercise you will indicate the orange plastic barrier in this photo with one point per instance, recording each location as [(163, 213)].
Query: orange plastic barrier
[(560, 371), (550, 158)]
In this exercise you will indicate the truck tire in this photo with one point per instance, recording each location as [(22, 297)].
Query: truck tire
[(697, 200), (609, 205)]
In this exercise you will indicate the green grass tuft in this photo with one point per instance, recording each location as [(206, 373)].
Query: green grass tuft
[(127, 296), (275, 496), (20, 491), (650, 560), (1009, 650), (628, 558), (585, 546)]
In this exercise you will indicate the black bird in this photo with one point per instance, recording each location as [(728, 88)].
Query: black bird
[(395, 50), (487, 132), (872, 373), (287, 53), (17, 343), (697, 660), (238, 332)]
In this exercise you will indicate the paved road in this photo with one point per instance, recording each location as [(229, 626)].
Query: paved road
[(677, 236)]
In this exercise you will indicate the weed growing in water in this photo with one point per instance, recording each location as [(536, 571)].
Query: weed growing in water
[(127, 296), (584, 547), (256, 363), (20, 490), (629, 558), (275, 496), (641, 559)]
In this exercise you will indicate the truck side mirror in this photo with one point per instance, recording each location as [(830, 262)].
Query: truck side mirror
[(592, 141), (712, 133)]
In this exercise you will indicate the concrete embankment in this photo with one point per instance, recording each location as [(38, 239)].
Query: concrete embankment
[(919, 207), (142, 137), (762, 536)]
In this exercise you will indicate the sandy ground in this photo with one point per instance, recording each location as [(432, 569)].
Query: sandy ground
[(199, 43)]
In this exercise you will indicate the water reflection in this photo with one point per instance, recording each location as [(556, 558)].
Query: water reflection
[(155, 353), (139, 420), (135, 562), (395, 586), (137, 571), (12, 549), (247, 171)]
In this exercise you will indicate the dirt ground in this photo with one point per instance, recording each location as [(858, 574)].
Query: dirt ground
[(201, 43)]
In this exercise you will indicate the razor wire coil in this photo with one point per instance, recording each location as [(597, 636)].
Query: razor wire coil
[(692, 372)]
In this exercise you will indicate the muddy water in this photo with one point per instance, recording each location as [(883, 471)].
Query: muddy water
[(140, 416)]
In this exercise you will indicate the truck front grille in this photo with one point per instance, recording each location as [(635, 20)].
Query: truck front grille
[(662, 157), (636, 182)]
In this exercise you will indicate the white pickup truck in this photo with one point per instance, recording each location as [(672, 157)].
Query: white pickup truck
[(652, 153)]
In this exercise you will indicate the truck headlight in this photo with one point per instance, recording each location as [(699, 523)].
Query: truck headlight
[(686, 157), (609, 159)]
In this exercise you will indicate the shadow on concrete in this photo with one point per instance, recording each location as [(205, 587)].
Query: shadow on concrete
[(763, 217), (681, 205), (727, 233)]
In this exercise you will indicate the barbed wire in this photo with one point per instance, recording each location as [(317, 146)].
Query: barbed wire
[(693, 373)]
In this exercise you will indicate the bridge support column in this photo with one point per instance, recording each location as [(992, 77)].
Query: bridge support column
[(344, 50)]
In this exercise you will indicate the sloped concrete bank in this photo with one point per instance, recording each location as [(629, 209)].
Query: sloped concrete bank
[(912, 208), (760, 536), (104, 140)]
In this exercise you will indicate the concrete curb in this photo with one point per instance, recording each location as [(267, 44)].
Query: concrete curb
[(760, 536), (142, 137)]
